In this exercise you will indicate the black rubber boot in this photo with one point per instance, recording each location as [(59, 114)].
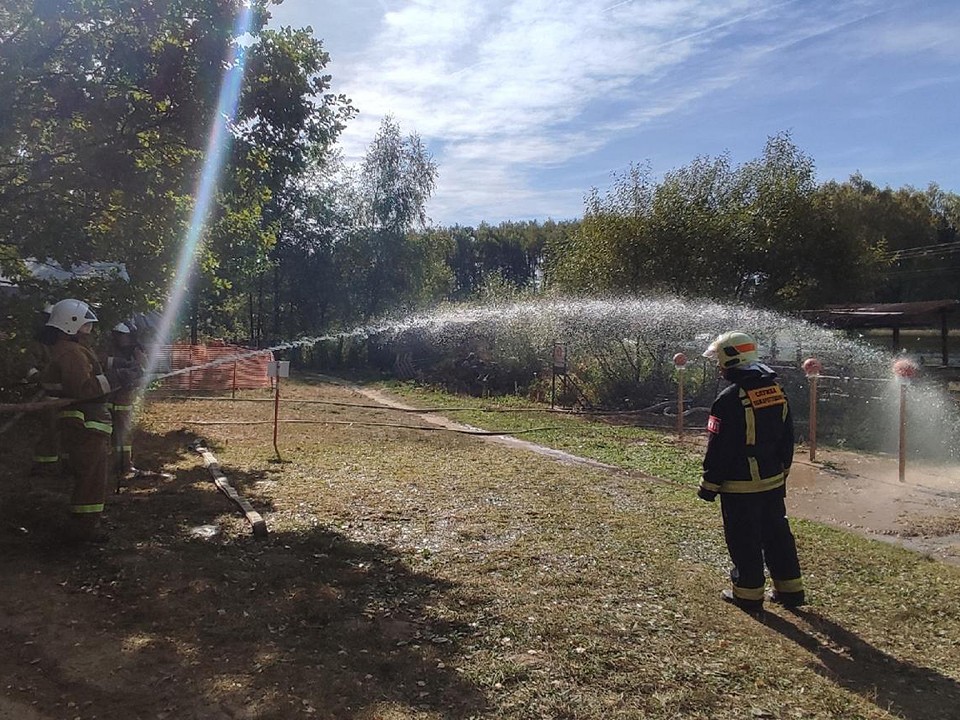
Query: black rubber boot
[(787, 599), (754, 607)]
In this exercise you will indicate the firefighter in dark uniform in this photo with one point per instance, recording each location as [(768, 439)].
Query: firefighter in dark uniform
[(75, 373), (123, 353), (748, 457)]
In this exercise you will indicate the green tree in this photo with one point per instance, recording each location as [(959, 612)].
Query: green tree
[(394, 182), (107, 105), (610, 249)]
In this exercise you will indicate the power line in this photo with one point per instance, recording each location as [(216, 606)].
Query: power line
[(922, 251), (922, 271)]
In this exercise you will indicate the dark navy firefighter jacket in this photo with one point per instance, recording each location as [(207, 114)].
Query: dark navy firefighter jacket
[(750, 435)]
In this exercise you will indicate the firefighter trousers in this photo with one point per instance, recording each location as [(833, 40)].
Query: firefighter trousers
[(88, 453), (757, 532), (122, 438), (46, 451)]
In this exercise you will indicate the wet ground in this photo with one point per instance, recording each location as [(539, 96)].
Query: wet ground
[(864, 493), (857, 492)]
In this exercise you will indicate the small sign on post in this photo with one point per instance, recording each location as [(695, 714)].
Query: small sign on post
[(277, 369), (559, 368)]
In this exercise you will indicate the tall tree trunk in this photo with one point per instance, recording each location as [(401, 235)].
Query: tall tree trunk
[(277, 304), (259, 309), (194, 321), (250, 312)]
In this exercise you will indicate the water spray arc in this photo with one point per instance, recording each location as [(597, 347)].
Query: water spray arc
[(857, 395)]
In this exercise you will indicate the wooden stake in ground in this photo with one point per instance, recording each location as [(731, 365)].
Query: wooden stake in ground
[(812, 368), (277, 370), (905, 369), (680, 363)]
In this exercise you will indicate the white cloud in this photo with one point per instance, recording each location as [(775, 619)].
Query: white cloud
[(503, 88)]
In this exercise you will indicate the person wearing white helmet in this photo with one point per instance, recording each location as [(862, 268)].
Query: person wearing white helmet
[(75, 373), (748, 457), (123, 351)]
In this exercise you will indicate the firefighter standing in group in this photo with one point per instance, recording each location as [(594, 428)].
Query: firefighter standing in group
[(75, 373), (748, 457), (46, 449), (123, 353)]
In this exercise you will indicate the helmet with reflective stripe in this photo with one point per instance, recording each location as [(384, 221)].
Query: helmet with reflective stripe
[(732, 349), (71, 315)]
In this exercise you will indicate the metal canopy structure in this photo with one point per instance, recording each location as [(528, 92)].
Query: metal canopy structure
[(927, 313)]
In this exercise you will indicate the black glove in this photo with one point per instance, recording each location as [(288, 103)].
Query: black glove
[(707, 495)]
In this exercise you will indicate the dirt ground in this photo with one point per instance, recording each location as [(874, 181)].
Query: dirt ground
[(864, 493)]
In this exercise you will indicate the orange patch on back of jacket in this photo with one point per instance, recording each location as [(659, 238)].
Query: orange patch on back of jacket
[(766, 397)]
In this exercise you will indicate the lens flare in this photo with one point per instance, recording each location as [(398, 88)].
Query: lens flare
[(218, 144)]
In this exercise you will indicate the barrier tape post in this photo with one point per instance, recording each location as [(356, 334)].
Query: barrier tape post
[(812, 368), (277, 370), (905, 370)]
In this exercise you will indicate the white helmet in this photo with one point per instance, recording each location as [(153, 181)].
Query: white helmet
[(732, 349), (70, 315), (122, 328)]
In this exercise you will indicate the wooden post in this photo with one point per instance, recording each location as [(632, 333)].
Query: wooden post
[(680, 363), (905, 370), (944, 351), (276, 416), (813, 416), (903, 431), (680, 402), (276, 370), (233, 394), (812, 367), (559, 367)]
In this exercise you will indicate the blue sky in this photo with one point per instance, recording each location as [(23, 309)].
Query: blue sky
[(528, 104)]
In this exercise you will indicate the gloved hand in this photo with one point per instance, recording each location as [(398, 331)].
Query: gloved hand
[(124, 377), (707, 495)]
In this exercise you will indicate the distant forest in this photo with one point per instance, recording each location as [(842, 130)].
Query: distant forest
[(103, 133)]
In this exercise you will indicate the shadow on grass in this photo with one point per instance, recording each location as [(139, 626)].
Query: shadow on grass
[(906, 690), (304, 623)]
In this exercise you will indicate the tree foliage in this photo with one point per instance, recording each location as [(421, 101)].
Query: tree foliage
[(763, 232)]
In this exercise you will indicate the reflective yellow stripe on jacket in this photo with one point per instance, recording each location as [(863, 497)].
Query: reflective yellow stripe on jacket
[(756, 482)]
